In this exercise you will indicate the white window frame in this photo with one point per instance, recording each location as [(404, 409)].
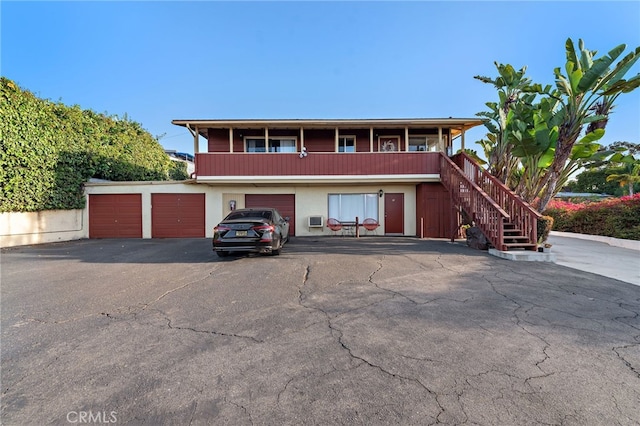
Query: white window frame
[(247, 139), (268, 146), (430, 143), (346, 206), (342, 143)]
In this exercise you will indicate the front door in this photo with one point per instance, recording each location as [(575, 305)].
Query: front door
[(394, 214)]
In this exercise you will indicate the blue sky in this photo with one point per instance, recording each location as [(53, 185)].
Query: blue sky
[(158, 61)]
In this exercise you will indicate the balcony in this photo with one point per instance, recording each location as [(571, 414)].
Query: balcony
[(317, 167)]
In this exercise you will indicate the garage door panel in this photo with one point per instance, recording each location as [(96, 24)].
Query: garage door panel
[(115, 216), (177, 215), (284, 203)]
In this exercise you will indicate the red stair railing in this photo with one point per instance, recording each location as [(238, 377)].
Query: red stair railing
[(521, 214), (485, 212)]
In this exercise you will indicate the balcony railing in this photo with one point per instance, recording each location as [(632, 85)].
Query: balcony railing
[(317, 164)]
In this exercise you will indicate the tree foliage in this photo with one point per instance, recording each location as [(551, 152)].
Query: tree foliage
[(539, 135), (49, 150), (614, 170)]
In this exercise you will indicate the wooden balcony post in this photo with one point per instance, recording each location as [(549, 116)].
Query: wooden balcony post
[(462, 138), (370, 139), (230, 139), (196, 141), (406, 138)]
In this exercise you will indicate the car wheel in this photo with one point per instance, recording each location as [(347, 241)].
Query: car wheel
[(222, 253), (276, 252)]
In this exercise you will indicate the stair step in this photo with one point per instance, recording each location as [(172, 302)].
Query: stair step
[(519, 245), (516, 237), (517, 231)]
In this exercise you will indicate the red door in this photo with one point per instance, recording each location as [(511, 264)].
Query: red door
[(284, 203), (115, 216), (394, 214), (177, 215)]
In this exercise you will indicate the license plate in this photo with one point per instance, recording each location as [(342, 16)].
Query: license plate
[(241, 233)]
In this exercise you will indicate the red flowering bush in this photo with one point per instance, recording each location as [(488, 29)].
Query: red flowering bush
[(614, 217)]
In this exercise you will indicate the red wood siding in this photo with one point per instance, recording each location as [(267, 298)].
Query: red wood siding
[(284, 203), (115, 216), (316, 140), (362, 138), (177, 215), (320, 140), (218, 140), (433, 206), (317, 164)]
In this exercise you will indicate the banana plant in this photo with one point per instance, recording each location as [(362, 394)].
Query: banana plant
[(501, 121), (586, 86), (537, 134)]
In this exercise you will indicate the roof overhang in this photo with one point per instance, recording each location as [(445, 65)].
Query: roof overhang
[(459, 124)]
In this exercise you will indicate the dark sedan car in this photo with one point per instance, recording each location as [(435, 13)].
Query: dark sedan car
[(258, 230)]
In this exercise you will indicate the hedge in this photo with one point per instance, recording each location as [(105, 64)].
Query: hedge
[(49, 150), (618, 217)]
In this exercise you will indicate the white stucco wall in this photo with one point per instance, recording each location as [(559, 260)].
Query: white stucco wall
[(313, 201), (64, 225), (18, 229), (146, 189)]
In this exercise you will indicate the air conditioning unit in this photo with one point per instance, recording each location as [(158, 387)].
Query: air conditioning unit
[(316, 222)]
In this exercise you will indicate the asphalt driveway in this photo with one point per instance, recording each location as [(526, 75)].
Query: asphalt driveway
[(333, 331)]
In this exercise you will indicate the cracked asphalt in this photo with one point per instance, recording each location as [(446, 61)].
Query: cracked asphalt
[(333, 331)]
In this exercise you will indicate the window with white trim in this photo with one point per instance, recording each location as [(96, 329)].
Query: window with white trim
[(423, 143), (347, 144), (346, 207), (283, 144), (255, 145)]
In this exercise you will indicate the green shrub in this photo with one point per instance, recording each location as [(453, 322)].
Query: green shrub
[(545, 224), (617, 217), (178, 171), (49, 150)]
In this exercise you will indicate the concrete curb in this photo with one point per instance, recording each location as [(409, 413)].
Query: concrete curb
[(615, 242), (524, 256)]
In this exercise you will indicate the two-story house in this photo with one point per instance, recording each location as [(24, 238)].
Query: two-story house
[(398, 172)]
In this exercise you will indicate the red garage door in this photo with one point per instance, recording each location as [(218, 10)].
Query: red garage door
[(284, 203), (115, 216), (177, 215)]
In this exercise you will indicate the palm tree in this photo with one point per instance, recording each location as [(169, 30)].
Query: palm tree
[(629, 178)]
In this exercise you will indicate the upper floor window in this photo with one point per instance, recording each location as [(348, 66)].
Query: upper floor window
[(423, 143), (255, 145), (284, 144), (347, 144)]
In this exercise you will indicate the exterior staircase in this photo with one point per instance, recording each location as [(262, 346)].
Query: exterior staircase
[(504, 218)]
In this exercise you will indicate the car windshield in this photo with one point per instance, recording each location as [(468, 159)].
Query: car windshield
[(257, 214)]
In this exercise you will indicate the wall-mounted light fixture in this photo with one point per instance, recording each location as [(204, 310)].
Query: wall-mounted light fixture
[(381, 193), (303, 152)]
